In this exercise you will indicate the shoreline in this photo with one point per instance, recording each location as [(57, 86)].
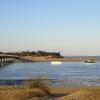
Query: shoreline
[(51, 82), (44, 59)]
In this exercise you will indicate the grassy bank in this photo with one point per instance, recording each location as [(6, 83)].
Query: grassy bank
[(57, 93), (16, 93), (86, 93)]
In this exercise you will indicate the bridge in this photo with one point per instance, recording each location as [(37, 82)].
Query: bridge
[(7, 59)]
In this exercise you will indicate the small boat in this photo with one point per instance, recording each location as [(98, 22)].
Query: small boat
[(56, 62), (89, 61)]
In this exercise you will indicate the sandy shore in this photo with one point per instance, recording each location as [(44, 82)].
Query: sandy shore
[(44, 59)]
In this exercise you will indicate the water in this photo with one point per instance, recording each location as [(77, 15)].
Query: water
[(68, 73)]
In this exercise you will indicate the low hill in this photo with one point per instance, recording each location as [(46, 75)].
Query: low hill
[(38, 54)]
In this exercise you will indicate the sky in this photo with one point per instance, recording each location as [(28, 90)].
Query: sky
[(71, 27)]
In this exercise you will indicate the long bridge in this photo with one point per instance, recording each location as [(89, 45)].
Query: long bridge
[(7, 59)]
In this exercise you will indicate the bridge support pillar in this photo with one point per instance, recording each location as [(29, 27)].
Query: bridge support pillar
[(5, 60)]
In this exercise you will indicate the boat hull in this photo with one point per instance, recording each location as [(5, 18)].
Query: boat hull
[(56, 63)]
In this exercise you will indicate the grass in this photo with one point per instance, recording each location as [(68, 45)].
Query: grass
[(83, 94), (33, 90), (21, 94), (38, 83), (25, 93)]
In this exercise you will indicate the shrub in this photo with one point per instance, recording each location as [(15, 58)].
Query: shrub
[(37, 84)]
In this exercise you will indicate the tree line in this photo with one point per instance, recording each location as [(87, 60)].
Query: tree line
[(37, 54)]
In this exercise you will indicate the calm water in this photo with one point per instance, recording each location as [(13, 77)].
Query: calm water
[(68, 73)]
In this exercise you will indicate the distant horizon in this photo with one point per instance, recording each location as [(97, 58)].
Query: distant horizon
[(68, 26)]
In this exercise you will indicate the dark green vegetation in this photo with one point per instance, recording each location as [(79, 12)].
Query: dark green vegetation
[(38, 83), (37, 54)]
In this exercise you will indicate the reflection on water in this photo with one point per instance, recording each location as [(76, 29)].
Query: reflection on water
[(68, 73)]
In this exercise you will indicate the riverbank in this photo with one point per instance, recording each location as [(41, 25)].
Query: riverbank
[(57, 93), (47, 59)]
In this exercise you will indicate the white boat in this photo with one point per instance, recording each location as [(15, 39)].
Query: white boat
[(56, 62), (90, 62)]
